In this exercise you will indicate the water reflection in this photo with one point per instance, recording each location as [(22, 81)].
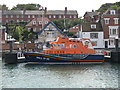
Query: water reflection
[(61, 76)]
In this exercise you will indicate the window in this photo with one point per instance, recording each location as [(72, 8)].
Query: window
[(34, 22), (60, 16), (46, 22), (62, 45), (54, 16), (93, 35), (74, 46), (29, 29), (74, 16), (28, 16), (93, 26), (22, 16), (70, 16), (11, 16), (6, 16), (55, 45), (116, 20), (70, 45), (34, 29), (94, 43), (112, 12), (17, 20), (113, 30), (111, 42), (49, 16), (106, 20), (40, 22), (17, 16), (33, 16), (6, 21)]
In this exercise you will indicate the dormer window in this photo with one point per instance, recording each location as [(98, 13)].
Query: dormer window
[(112, 12), (93, 26), (40, 22), (34, 22), (46, 22)]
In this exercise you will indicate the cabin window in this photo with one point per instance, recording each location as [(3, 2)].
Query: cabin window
[(54, 45), (70, 45), (74, 46), (58, 45), (62, 45)]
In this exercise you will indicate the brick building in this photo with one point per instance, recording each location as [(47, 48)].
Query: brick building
[(111, 27), (28, 15), (92, 16), (37, 24)]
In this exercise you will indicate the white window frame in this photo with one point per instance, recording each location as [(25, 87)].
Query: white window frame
[(6, 16), (54, 16), (112, 12), (93, 26), (17, 16), (33, 16), (50, 16), (40, 22), (34, 23), (60, 16), (115, 20), (111, 28), (46, 22), (74, 16), (106, 20), (34, 29), (11, 16), (28, 16)]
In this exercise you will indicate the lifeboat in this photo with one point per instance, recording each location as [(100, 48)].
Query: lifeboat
[(66, 51)]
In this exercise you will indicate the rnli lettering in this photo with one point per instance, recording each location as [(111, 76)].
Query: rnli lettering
[(43, 58)]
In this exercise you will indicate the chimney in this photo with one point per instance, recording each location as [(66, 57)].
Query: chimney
[(92, 10), (65, 10), (45, 10)]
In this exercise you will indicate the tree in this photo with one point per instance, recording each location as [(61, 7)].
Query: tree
[(3, 7), (29, 36), (26, 7), (67, 23), (105, 6)]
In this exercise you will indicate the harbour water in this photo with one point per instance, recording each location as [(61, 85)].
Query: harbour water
[(24, 75)]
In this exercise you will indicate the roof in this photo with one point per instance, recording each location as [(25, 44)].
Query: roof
[(38, 12), (86, 27), (91, 14), (49, 24), (108, 10), (61, 12), (37, 21)]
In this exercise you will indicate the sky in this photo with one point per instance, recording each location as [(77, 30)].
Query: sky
[(80, 5)]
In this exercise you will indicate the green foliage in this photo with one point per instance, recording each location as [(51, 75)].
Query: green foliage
[(29, 36), (26, 7), (18, 33), (71, 34), (67, 23), (105, 6)]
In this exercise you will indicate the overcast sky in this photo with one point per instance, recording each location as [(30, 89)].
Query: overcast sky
[(80, 5)]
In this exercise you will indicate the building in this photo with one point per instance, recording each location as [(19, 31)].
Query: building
[(111, 27), (37, 24), (50, 32), (3, 35), (91, 30), (28, 15), (92, 16)]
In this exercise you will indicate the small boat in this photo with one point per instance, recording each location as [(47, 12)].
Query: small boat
[(66, 51)]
